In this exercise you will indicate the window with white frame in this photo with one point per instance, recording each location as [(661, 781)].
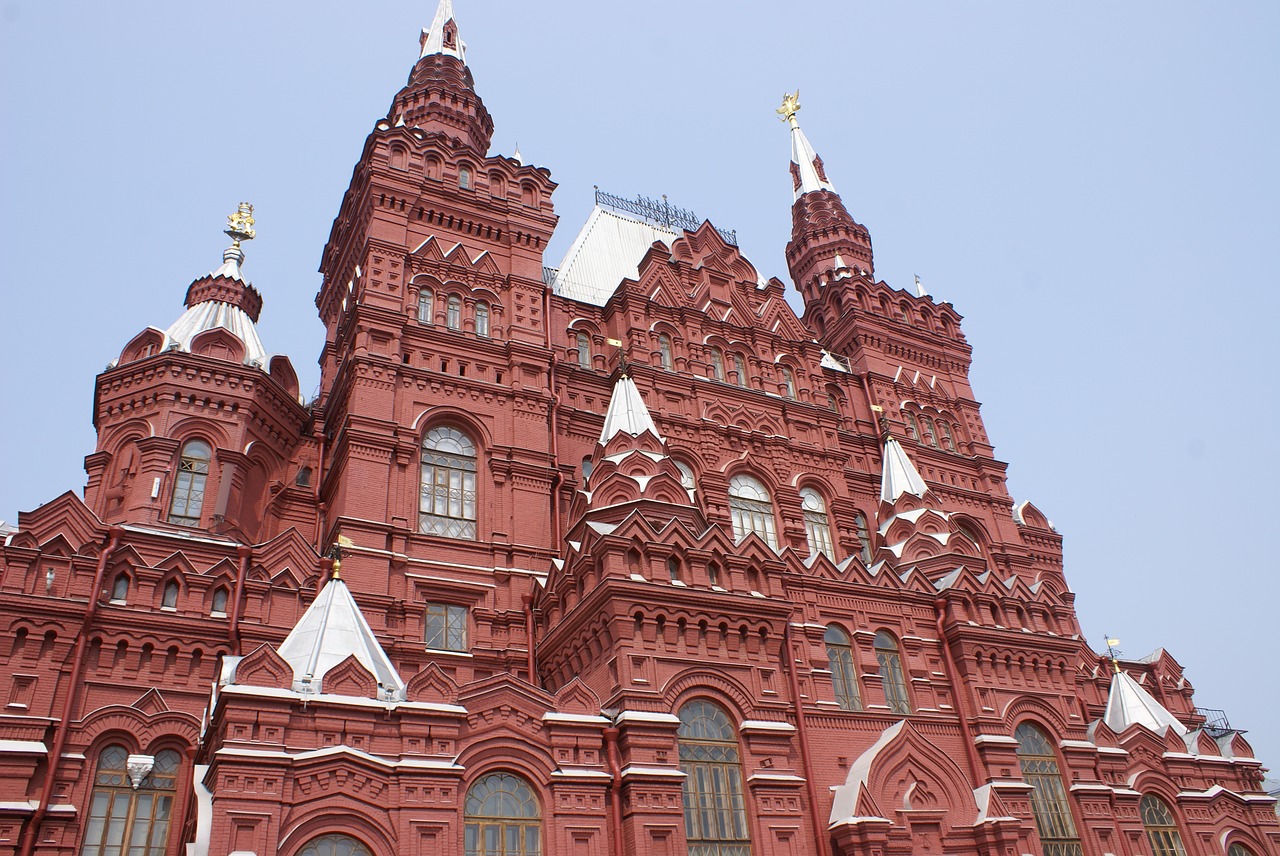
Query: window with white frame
[(752, 510)]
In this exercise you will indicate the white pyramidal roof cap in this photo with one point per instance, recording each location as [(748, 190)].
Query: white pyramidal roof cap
[(1129, 704), (434, 41), (899, 475), (803, 156), (627, 412), (607, 250), (332, 629), (210, 314)]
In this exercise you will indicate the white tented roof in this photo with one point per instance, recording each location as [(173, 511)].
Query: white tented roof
[(433, 36), (1129, 704), (804, 157), (899, 475), (332, 629), (627, 412), (210, 314), (607, 250)]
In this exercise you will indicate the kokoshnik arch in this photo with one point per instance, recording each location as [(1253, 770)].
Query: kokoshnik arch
[(620, 556)]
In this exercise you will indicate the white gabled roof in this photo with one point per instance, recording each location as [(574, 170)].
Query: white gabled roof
[(607, 250), (433, 36), (627, 412), (1129, 704), (899, 475), (332, 629)]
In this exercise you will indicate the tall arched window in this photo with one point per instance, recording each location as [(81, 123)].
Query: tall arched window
[(126, 815), (895, 683), (425, 298), (752, 510), (1162, 829), (447, 505), (740, 366), (864, 537), (817, 526), (717, 364), (453, 313), (948, 439), (913, 427), (482, 319), (687, 480), (715, 814), (502, 818), (188, 487), (584, 351), (219, 605), (789, 382), (930, 430), (664, 350), (840, 659), (464, 178), (1239, 850), (334, 845), (1048, 797)]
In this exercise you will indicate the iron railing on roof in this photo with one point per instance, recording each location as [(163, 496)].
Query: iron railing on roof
[(660, 213), (1215, 721)]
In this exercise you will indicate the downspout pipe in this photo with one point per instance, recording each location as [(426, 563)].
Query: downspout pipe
[(527, 601), (552, 422), (802, 733), (245, 552), (615, 790), (962, 701), (63, 728)]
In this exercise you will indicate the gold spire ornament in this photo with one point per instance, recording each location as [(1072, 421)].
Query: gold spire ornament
[(240, 224), (790, 107)]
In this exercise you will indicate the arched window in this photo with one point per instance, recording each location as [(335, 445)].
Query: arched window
[(120, 589), (752, 510), (895, 683), (664, 350), (502, 818), (864, 537), (425, 299), (188, 487), (913, 427), (687, 480), (482, 319), (334, 845), (447, 505), (1239, 850), (219, 606), (789, 381), (717, 364), (1048, 797), (1162, 829), (127, 815), (740, 366), (464, 178), (840, 658), (170, 598), (584, 351), (453, 316), (817, 526), (715, 814), (303, 478), (587, 467), (930, 431), (947, 439)]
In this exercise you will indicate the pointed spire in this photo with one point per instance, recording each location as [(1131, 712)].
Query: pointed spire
[(516, 156), (442, 36), (627, 412), (806, 167), (332, 629), (899, 475), (1129, 704)]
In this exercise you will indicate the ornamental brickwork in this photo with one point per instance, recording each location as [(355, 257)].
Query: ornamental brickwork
[(675, 571)]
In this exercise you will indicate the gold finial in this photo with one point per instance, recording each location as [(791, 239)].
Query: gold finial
[(1113, 653), (240, 224), (790, 107), (335, 554)]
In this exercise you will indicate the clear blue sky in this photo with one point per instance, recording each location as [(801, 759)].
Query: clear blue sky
[(1093, 186)]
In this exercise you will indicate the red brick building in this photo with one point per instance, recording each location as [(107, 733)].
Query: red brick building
[(620, 557)]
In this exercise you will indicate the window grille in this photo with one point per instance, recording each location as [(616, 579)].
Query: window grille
[(840, 659), (188, 487), (895, 683), (448, 492), (715, 814), (1049, 802), (124, 820), (817, 526), (1162, 829), (752, 510), (501, 818), (446, 627)]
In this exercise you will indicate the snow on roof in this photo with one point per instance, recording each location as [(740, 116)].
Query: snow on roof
[(332, 629), (627, 412), (899, 475), (606, 251), (1129, 704)]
